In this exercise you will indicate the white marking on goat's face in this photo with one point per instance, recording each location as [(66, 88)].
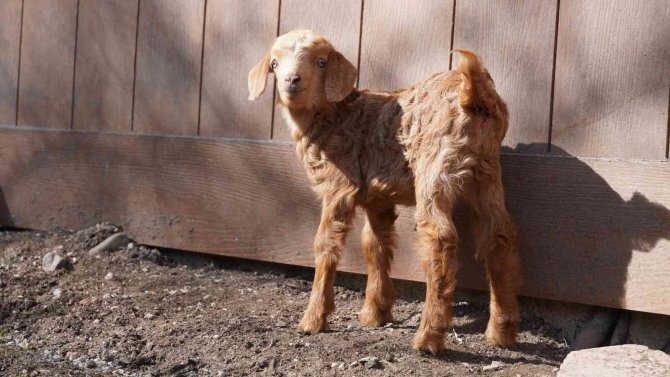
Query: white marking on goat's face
[(299, 60)]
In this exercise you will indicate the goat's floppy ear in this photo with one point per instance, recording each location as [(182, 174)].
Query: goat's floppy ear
[(258, 76), (340, 77)]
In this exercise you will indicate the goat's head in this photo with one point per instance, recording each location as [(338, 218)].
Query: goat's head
[(308, 69)]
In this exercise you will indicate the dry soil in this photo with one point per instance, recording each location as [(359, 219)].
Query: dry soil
[(137, 312)]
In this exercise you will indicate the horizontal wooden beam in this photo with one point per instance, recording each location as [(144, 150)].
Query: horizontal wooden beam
[(593, 231)]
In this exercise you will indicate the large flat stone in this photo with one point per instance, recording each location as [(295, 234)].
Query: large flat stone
[(616, 361)]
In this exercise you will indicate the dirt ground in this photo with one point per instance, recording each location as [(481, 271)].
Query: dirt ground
[(136, 312)]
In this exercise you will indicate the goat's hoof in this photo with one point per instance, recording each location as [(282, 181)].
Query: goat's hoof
[(309, 326), (501, 334), (429, 342), (369, 317)]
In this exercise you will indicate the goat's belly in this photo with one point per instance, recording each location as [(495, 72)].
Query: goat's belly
[(327, 179), (396, 190)]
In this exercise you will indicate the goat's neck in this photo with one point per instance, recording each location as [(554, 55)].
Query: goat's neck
[(302, 121)]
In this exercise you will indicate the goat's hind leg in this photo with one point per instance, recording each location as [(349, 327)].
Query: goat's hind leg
[(378, 241), (438, 240), (336, 217), (495, 239)]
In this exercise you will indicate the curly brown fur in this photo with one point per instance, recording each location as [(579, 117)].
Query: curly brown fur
[(429, 145)]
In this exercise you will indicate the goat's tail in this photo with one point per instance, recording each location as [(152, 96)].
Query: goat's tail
[(477, 91)]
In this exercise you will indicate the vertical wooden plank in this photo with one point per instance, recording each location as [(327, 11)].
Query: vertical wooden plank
[(516, 41), (237, 34), (10, 40), (47, 63), (339, 21), (169, 54), (400, 47), (612, 78), (105, 64)]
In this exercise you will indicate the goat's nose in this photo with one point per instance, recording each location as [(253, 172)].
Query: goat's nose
[(292, 79)]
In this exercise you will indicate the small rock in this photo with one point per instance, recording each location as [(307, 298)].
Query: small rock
[(413, 320), (281, 323), (148, 316), (2, 284), (96, 229), (54, 260), (615, 361), (112, 243), (91, 364), (495, 365), (131, 245), (651, 330), (23, 344), (57, 293), (371, 362), (155, 256), (109, 276), (620, 333), (596, 331)]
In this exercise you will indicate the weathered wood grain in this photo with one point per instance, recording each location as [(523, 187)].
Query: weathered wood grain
[(105, 66), (399, 47), (238, 34), (10, 39), (339, 21), (593, 231), (612, 78), (169, 54), (516, 41), (47, 63)]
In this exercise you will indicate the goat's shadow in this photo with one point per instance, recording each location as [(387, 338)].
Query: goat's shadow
[(587, 232), (577, 235), (5, 216)]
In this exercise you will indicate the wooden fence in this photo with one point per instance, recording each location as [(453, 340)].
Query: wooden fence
[(136, 112)]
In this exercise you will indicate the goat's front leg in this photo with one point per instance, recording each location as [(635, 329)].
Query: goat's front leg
[(378, 241), (336, 217)]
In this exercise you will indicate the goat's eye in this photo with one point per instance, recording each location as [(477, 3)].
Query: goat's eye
[(274, 64), (321, 62)]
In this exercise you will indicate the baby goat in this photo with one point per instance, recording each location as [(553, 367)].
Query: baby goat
[(429, 146)]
